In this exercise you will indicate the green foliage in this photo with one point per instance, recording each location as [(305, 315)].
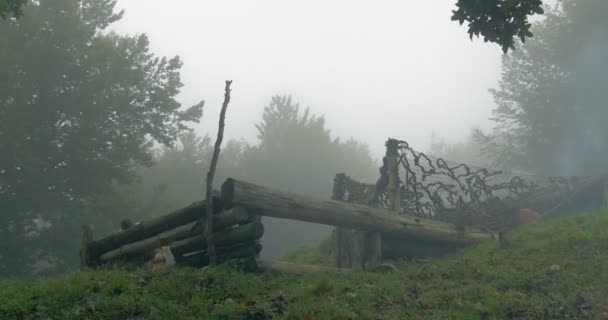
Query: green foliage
[(551, 109), (10, 8), (551, 271), (79, 109), (498, 21), (297, 153)]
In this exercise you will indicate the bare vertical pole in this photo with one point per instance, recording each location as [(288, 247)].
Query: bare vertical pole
[(211, 173), (372, 245), (373, 240), (87, 237), (392, 154), (343, 236)]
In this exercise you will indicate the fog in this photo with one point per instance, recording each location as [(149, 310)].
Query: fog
[(374, 69), (93, 124)]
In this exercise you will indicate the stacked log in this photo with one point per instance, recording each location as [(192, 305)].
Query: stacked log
[(236, 235)]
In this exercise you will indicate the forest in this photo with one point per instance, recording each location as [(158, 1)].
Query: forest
[(93, 131)]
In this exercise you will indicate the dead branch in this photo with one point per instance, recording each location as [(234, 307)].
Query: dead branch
[(211, 173)]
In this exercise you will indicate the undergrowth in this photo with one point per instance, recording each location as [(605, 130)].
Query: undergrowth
[(555, 270)]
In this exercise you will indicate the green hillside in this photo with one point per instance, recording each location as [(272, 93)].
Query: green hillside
[(556, 270)]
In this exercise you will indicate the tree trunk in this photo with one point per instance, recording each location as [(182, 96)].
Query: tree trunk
[(87, 237), (280, 204)]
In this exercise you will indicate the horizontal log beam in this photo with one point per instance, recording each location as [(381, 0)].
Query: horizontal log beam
[(152, 227), (241, 234), (279, 204), (201, 259), (222, 220)]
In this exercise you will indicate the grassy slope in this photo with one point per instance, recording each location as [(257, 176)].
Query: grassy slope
[(555, 270)]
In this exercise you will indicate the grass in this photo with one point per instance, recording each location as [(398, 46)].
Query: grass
[(556, 270), (317, 253)]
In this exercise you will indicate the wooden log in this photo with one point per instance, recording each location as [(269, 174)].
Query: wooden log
[(223, 220), (241, 234), (224, 253), (87, 237), (147, 229), (280, 204), (395, 249), (295, 268)]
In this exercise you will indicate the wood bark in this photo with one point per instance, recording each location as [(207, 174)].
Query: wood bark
[(295, 268), (393, 184), (211, 172), (241, 234), (150, 228), (343, 244), (87, 237), (224, 253), (223, 220), (279, 204)]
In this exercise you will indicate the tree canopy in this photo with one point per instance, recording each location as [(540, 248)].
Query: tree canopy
[(551, 100), (498, 21), (10, 8), (80, 108)]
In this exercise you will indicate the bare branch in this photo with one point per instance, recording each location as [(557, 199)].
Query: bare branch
[(211, 173)]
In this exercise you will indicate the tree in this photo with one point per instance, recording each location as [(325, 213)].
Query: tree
[(296, 153), (11, 8), (551, 100), (498, 21), (80, 108)]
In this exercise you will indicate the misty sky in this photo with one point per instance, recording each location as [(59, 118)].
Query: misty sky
[(375, 69)]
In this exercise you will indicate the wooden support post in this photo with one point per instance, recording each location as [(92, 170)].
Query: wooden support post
[(343, 245), (392, 154), (372, 249), (87, 237)]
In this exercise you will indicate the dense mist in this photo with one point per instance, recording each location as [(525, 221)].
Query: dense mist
[(107, 115)]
